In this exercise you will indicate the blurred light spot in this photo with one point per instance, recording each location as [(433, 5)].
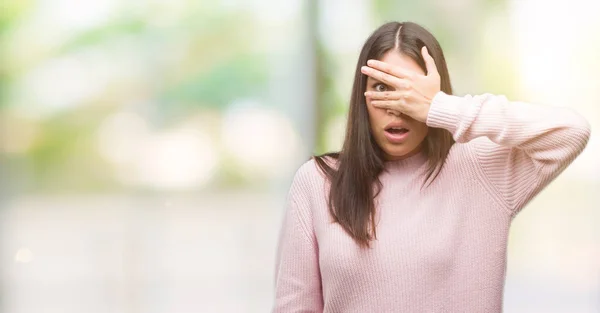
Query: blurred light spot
[(23, 255), (75, 15), (271, 12), (354, 21), (177, 159), (61, 84), (562, 74), (120, 137), (260, 140)]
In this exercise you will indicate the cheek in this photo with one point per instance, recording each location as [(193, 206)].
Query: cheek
[(368, 102), (371, 109), (376, 115), (421, 131)]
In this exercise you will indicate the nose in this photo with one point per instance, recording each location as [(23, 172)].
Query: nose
[(393, 112)]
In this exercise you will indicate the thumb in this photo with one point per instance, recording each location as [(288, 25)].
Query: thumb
[(429, 62)]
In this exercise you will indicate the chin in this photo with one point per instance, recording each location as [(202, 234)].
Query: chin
[(399, 152)]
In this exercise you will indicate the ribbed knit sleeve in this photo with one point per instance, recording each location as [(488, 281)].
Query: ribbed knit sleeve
[(528, 146), (297, 276)]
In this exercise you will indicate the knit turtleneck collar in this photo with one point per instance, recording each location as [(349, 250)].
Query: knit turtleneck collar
[(411, 162)]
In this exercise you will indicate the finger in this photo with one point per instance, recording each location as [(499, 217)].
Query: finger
[(383, 95), (383, 104), (390, 69), (382, 76), (395, 105), (389, 95), (429, 62), (394, 112)]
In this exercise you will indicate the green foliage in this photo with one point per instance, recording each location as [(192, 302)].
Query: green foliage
[(206, 59), (105, 33), (329, 103), (65, 155), (241, 76), (11, 11)]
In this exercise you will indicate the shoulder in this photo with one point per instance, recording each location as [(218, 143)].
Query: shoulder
[(310, 171), (310, 178)]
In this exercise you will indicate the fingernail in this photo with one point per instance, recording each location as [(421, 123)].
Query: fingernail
[(367, 93), (363, 68), (370, 62)]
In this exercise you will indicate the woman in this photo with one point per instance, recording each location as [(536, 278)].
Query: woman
[(413, 214)]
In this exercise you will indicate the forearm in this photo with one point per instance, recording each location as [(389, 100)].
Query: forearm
[(543, 132)]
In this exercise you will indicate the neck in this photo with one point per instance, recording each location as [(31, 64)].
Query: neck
[(414, 152)]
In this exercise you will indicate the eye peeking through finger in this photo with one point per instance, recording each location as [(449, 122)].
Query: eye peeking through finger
[(380, 87)]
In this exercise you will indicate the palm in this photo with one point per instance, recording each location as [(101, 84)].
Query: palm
[(412, 93)]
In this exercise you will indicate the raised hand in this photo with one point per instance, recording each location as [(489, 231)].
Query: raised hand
[(413, 92)]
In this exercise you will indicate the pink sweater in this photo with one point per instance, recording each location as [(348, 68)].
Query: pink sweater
[(440, 249)]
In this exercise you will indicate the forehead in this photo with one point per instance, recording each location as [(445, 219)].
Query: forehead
[(394, 57)]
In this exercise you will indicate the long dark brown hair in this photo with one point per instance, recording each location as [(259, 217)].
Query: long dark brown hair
[(355, 176)]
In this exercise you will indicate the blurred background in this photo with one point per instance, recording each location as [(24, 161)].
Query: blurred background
[(146, 147)]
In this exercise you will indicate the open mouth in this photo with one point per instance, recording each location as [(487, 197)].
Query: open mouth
[(396, 130), (396, 135)]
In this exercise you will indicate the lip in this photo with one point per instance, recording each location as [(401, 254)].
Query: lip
[(398, 124), (396, 138)]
